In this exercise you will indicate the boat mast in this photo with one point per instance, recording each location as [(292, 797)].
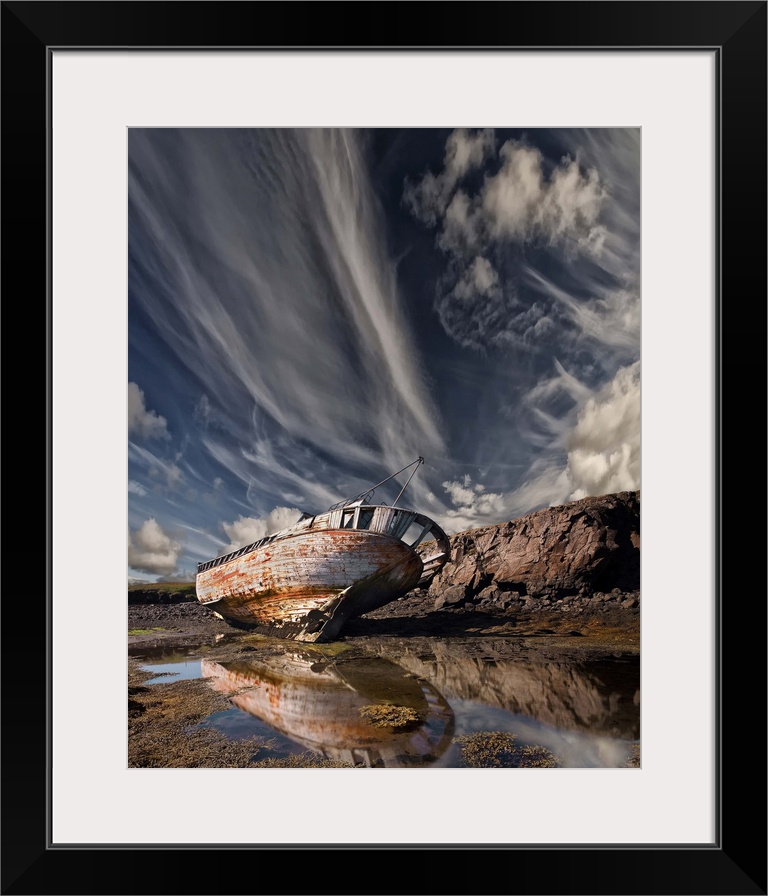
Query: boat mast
[(365, 496), (418, 463)]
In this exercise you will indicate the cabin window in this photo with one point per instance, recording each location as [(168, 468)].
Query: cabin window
[(365, 518), (400, 521), (348, 519), (415, 533)]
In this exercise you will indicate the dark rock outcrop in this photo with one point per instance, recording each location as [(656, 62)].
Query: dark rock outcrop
[(150, 595), (583, 553)]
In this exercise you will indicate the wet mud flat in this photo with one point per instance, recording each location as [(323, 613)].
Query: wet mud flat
[(459, 650), (164, 729), (609, 630)]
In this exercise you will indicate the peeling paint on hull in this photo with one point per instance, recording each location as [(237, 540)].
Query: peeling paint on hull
[(307, 585)]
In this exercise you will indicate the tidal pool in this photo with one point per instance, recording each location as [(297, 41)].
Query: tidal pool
[(420, 702)]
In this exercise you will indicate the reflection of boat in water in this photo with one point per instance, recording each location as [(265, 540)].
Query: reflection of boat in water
[(325, 706), (306, 581)]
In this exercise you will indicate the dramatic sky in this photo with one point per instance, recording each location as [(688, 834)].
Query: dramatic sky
[(310, 311)]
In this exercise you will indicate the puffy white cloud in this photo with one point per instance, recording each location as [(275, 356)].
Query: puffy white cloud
[(521, 203), (480, 278), (464, 152), (245, 530), (473, 310), (593, 450), (474, 506), (604, 447), (479, 313), (462, 231), (152, 550), (461, 493), (142, 422), (527, 200)]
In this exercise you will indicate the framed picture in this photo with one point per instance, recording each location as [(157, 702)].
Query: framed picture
[(691, 79)]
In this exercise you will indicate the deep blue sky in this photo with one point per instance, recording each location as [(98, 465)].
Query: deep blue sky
[(311, 310)]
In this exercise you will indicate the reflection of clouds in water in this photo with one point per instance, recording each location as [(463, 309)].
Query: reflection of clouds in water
[(237, 724), (573, 749), (183, 671)]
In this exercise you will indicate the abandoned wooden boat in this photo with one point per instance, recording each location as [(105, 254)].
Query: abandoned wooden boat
[(304, 582)]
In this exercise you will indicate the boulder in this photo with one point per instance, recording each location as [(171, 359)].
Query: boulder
[(583, 548)]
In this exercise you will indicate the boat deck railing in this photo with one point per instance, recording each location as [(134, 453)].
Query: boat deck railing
[(225, 558), (413, 529)]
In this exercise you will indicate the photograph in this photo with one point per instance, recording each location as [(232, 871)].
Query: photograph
[(358, 356), (384, 447)]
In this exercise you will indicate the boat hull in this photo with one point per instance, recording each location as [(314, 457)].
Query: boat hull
[(306, 586)]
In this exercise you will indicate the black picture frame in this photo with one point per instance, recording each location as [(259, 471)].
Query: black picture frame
[(736, 863)]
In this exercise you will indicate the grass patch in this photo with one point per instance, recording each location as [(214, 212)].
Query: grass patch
[(330, 649), (144, 631), (186, 588)]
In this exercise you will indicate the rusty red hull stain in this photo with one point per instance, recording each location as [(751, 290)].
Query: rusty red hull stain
[(306, 585)]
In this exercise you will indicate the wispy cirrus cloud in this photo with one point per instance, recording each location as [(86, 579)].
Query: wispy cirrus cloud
[(293, 308), (608, 318), (162, 473)]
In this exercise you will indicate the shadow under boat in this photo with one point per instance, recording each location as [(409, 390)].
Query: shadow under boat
[(362, 710)]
